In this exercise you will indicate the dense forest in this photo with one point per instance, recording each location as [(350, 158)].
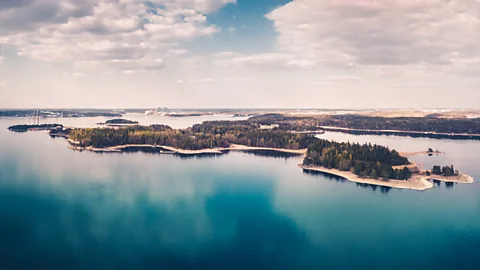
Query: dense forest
[(365, 160), (445, 170), (420, 124), (206, 135), (120, 121)]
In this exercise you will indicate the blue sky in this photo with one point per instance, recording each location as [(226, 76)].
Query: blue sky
[(239, 53)]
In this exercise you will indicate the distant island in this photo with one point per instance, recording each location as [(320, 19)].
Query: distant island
[(361, 163), (186, 114), (25, 128), (425, 127), (119, 121), (47, 113)]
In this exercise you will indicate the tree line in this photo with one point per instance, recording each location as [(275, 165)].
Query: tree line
[(202, 136), (419, 124), (365, 160), (445, 170)]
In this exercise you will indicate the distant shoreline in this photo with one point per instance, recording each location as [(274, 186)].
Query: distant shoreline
[(420, 134), (418, 181)]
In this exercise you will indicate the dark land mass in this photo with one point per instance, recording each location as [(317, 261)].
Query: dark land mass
[(121, 121), (214, 137), (58, 113), (25, 128), (439, 128), (364, 160), (186, 114)]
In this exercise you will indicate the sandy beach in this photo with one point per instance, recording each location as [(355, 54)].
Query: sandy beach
[(415, 183), (461, 178), (418, 181)]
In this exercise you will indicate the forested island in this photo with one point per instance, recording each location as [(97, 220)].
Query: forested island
[(119, 121), (201, 136), (25, 128), (362, 163)]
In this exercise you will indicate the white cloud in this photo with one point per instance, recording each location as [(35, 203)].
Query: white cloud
[(343, 78), (106, 32), (266, 61), (205, 6), (193, 61), (177, 52), (78, 74), (226, 54), (195, 81), (379, 32)]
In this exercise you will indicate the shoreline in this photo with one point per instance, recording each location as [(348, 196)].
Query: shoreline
[(418, 181), (233, 147)]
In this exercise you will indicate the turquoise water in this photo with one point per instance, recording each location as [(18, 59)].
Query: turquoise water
[(69, 210)]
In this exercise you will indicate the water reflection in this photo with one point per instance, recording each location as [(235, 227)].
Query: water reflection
[(271, 153), (449, 185), (383, 189), (325, 175), (332, 177)]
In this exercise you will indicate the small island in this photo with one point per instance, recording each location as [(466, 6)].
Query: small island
[(119, 122), (25, 128)]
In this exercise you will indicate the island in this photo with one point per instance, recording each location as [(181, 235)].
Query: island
[(25, 128), (54, 113), (186, 114), (361, 163), (118, 122)]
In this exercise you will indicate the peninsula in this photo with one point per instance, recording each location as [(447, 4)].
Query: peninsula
[(376, 165)]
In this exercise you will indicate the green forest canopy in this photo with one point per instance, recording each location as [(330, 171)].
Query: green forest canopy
[(365, 160)]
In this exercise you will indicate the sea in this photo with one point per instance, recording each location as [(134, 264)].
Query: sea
[(61, 209)]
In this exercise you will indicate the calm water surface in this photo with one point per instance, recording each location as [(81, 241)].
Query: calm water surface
[(61, 209)]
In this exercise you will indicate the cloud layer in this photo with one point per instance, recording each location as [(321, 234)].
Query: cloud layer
[(379, 32), (128, 34)]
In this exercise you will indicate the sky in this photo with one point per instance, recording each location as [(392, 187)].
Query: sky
[(240, 53)]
